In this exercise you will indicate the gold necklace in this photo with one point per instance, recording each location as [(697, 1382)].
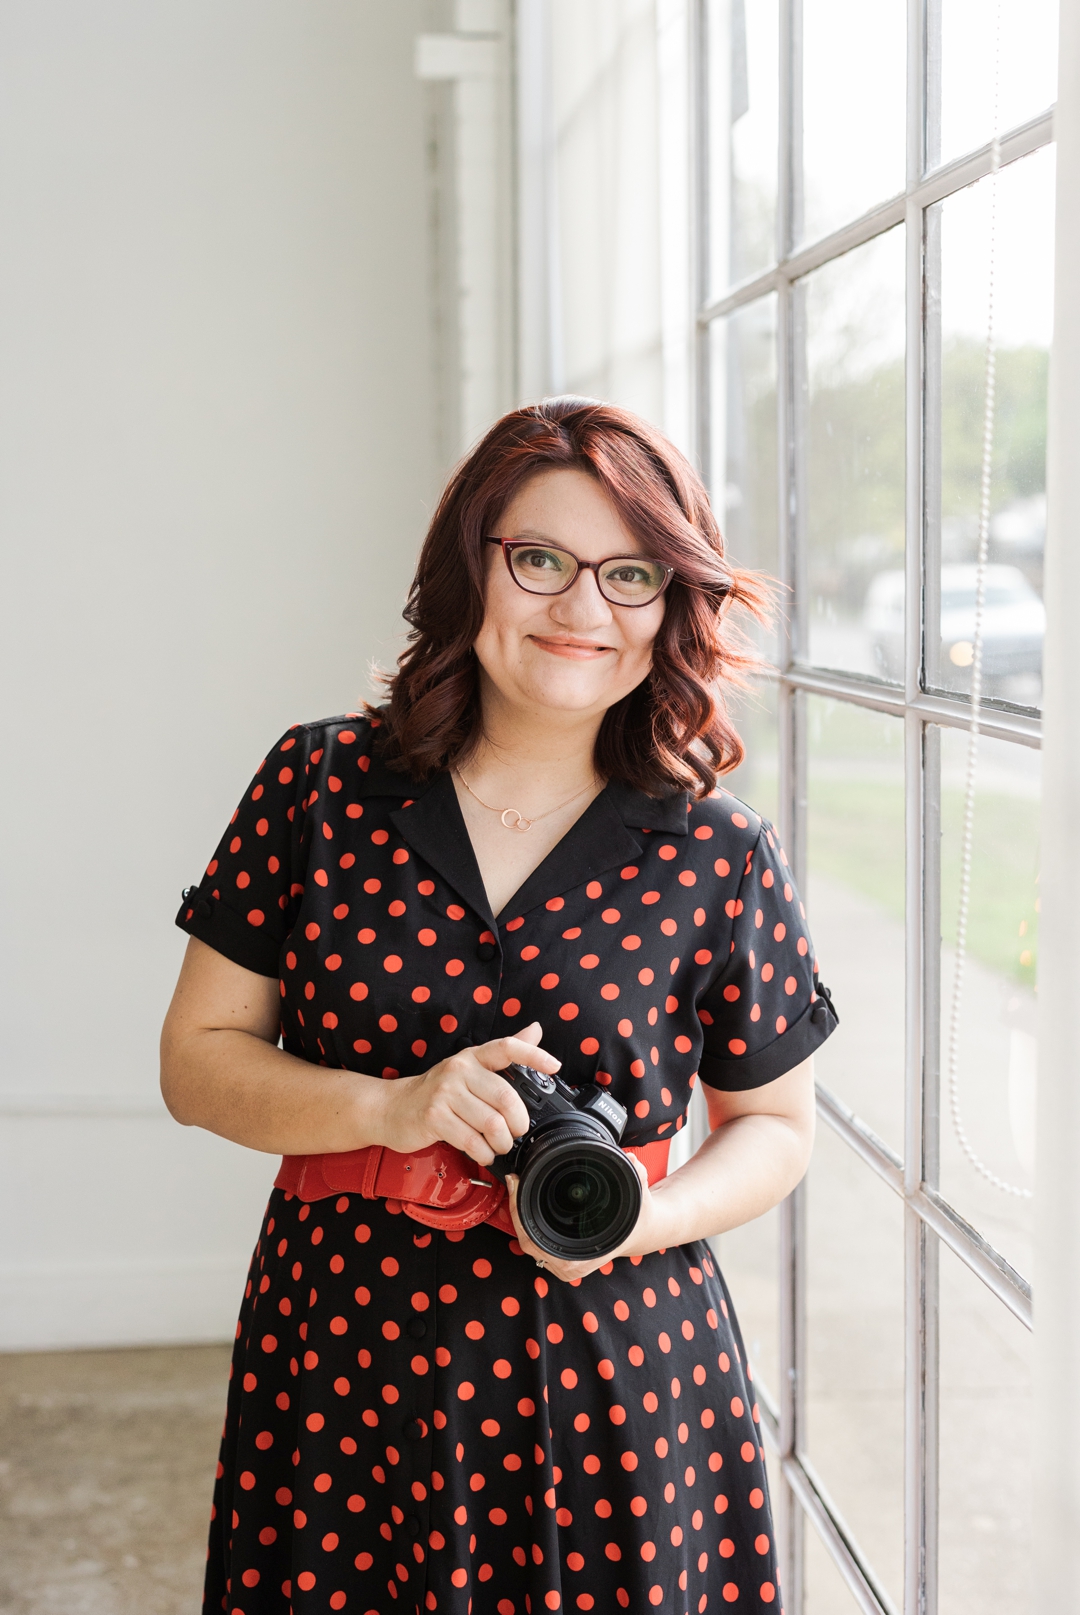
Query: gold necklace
[(511, 818)]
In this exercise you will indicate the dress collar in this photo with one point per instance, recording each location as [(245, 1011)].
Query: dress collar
[(606, 836)]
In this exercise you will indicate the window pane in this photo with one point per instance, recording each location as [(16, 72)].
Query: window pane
[(996, 1044), (855, 1351), (851, 462), (854, 76), (744, 78), (855, 903), (1027, 72), (986, 1427), (826, 1590), (1023, 312), (742, 453), (756, 780)]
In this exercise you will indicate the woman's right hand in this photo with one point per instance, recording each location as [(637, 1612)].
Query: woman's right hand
[(463, 1100)]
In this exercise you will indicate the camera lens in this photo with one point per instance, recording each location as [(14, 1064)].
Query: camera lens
[(578, 1195), (578, 1198)]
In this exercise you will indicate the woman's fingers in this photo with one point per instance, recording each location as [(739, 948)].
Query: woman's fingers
[(524, 1049), (485, 1118)]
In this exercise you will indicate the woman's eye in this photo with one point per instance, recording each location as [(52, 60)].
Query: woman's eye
[(629, 574), (539, 560)]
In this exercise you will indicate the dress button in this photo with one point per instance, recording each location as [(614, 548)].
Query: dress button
[(485, 952), (412, 1525), (417, 1328), (463, 1042), (414, 1430)]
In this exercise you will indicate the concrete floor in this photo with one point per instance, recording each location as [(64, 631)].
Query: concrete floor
[(106, 1468)]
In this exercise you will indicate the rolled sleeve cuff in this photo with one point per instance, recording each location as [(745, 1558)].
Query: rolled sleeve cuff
[(240, 937), (736, 1072)]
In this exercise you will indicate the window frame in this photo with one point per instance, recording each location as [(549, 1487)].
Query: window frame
[(929, 1218)]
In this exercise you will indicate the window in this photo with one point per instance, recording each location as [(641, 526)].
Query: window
[(846, 198)]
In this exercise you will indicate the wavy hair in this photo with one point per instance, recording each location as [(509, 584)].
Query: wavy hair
[(673, 731)]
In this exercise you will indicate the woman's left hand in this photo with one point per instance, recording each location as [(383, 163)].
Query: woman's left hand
[(645, 1235)]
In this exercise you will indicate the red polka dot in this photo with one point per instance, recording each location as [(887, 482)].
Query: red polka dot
[(247, 1480), (629, 1460), (392, 963), (747, 1452), (736, 1045)]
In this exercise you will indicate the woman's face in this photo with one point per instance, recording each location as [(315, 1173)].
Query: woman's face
[(572, 652)]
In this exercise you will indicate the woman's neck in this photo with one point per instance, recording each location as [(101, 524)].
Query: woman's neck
[(517, 748)]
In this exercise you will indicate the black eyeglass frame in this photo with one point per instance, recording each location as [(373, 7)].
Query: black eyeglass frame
[(509, 545)]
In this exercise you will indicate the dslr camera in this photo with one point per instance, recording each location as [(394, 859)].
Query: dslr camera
[(579, 1195)]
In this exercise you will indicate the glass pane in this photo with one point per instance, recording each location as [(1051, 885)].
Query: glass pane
[(851, 462), (854, 76), (996, 1042), (756, 780), (1013, 618), (826, 1590), (744, 79), (1027, 71), (855, 1351), (986, 1424), (743, 453), (855, 903)]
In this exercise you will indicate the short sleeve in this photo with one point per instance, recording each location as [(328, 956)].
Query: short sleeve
[(242, 906), (766, 1010)]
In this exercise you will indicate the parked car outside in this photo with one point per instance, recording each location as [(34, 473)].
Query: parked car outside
[(1013, 625)]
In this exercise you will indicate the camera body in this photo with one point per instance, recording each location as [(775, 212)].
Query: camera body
[(579, 1195)]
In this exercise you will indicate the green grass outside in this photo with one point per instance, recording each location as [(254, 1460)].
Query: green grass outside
[(856, 836)]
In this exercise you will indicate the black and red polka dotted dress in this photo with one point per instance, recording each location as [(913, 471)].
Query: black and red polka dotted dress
[(421, 1420)]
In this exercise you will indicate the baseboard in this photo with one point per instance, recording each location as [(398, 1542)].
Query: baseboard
[(121, 1303)]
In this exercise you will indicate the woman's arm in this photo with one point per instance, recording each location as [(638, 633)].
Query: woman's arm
[(221, 1069), (757, 1152)]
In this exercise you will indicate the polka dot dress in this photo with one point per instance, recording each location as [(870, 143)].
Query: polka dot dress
[(423, 1421)]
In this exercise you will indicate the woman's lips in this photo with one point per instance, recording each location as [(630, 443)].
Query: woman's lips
[(574, 650)]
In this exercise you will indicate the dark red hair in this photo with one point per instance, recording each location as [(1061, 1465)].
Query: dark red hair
[(673, 731)]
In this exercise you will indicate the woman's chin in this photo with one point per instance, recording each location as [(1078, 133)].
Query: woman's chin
[(574, 696)]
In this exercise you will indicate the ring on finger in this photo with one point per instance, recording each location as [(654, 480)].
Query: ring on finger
[(539, 1263)]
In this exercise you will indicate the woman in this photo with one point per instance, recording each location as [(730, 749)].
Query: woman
[(522, 857)]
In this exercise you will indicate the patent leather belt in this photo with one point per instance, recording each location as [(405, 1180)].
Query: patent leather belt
[(438, 1186)]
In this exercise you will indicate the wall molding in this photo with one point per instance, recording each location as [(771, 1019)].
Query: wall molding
[(52, 1307), (37, 1106)]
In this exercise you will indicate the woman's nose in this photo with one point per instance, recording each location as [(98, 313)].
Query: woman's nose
[(582, 604)]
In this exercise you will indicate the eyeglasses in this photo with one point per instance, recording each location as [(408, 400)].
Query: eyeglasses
[(623, 580)]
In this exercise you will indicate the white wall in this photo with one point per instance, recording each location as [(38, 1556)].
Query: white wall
[(217, 455)]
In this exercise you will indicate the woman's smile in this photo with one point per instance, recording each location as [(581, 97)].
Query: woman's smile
[(577, 650)]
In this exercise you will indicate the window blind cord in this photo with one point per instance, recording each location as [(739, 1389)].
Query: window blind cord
[(968, 824)]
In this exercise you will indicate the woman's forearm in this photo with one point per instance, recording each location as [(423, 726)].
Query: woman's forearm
[(745, 1167), (243, 1088)]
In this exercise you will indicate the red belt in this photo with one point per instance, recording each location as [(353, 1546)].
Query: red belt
[(438, 1186)]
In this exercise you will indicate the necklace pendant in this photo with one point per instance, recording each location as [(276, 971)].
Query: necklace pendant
[(513, 820)]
